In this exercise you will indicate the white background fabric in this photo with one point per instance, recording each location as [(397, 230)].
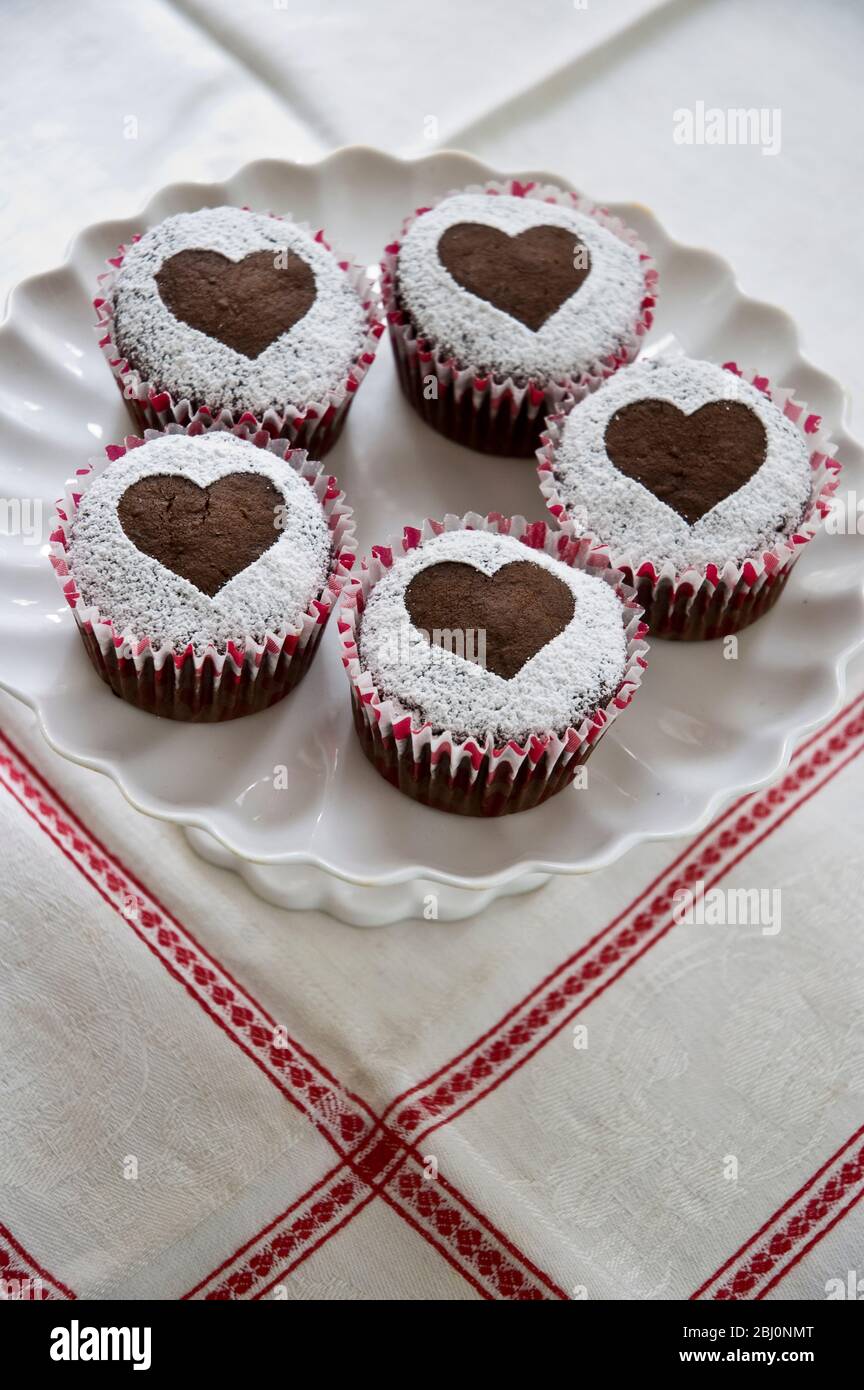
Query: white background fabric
[(601, 1166)]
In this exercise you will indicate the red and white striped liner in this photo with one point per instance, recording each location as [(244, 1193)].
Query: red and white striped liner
[(217, 681), (711, 601), (312, 425), (505, 777), (499, 414), (371, 1148)]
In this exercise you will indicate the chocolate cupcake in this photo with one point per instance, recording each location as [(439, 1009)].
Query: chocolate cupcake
[(700, 484), (483, 669), (504, 299), (252, 320), (201, 570)]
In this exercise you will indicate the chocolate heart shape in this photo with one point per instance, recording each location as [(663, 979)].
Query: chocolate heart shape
[(244, 304), (690, 462), (528, 276), (204, 534), (520, 608)]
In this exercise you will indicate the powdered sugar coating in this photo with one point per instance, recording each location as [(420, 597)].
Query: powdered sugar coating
[(631, 521), (143, 598), (312, 359), (588, 327), (568, 678)]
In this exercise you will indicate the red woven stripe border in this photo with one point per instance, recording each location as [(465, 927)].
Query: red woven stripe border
[(370, 1152), (381, 1159), (801, 1222), (17, 1264)]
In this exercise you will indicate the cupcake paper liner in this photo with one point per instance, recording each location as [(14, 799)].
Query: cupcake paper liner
[(315, 426), (497, 414), (465, 775), (711, 601), (209, 685)]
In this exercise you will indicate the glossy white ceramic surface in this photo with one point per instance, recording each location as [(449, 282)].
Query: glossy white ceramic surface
[(703, 727)]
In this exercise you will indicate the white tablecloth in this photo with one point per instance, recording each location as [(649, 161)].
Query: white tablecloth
[(573, 1095)]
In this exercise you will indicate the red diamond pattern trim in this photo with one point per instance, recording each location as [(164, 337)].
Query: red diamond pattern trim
[(380, 1163), (590, 971), (794, 1229)]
